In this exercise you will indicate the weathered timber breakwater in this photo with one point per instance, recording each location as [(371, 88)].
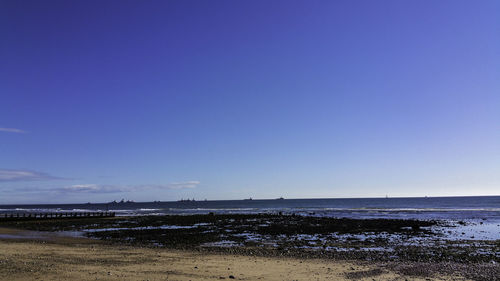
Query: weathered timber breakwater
[(62, 215)]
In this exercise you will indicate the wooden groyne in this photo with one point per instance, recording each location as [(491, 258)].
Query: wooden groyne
[(61, 215)]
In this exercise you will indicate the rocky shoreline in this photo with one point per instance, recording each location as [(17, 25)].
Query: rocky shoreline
[(413, 247)]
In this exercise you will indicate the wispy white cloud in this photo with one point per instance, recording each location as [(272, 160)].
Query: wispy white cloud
[(81, 188), (12, 130), (103, 188), (24, 175), (175, 185)]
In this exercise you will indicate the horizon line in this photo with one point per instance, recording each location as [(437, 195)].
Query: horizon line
[(258, 199)]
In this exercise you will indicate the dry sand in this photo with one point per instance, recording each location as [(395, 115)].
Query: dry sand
[(86, 259)]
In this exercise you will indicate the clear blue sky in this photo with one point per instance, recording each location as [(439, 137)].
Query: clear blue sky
[(162, 100)]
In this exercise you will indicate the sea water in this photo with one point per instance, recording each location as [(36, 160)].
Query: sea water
[(485, 208)]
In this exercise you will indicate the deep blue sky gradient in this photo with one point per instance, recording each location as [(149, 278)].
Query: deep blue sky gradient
[(250, 98)]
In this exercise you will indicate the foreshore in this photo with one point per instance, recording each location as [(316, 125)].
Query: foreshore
[(253, 247), (88, 259)]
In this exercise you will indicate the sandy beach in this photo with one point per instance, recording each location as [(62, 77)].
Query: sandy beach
[(89, 259), (240, 247)]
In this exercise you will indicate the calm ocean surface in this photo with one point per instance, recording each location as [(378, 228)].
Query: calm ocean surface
[(452, 208)]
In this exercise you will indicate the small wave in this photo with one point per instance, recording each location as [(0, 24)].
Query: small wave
[(37, 209), (214, 209), (407, 209)]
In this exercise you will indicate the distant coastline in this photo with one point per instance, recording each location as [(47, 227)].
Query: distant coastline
[(256, 199)]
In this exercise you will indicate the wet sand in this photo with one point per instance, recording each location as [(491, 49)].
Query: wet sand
[(65, 258)]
